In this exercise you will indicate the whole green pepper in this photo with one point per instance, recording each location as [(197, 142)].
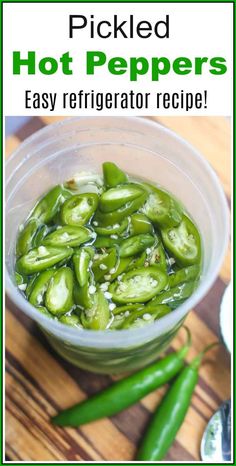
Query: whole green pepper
[(79, 209), (170, 414), (68, 236), (98, 315), (40, 287), (139, 285), (26, 237), (109, 218), (59, 294), (50, 204), (161, 208), (42, 258), (113, 175), (81, 261), (183, 241), (114, 198), (135, 244), (124, 393)]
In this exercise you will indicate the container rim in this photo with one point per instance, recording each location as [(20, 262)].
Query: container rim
[(118, 339)]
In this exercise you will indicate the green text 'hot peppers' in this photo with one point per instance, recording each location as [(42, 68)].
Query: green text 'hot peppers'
[(107, 253)]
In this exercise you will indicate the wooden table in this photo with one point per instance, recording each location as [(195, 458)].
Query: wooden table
[(39, 382)]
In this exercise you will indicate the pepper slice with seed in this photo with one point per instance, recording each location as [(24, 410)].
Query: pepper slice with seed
[(115, 229), (184, 275), (104, 264), (98, 315), (59, 295), (81, 261), (79, 209), (68, 236), (50, 204), (42, 258), (115, 198), (40, 287), (183, 242), (175, 296), (26, 236), (140, 317), (135, 244), (162, 209), (139, 285), (105, 219), (139, 223)]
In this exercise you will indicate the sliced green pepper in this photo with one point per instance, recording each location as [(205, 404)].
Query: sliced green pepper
[(115, 198), (42, 258), (157, 256), (127, 308), (44, 310), (19, 279), (183, 242), (30, 285), (139, 285), (140, 317), (115, 229), (72, 320), (42, 231), (98, 315), (175, 296), (40, 287), (121, 265), (106, 242), (83, 295), (187, 274), (161, 208), (139, 223), (59, 295), (135, 244), (104, 264), (26, 237), (79, 209), (81, 261), (50, 204), (68, 236), (139, 261), (109, 218), (113, 175)]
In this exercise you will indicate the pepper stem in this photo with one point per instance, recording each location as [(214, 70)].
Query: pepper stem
[(198, 359), (183, 351)]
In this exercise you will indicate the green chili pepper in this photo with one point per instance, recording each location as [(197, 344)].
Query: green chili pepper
[(109, 218), (40, 287), (113, 175), (68, 236), (50, 204), (187, 274), (137, 262), (127, 308), (81, 261), (106, 242), (71, 320), (26, 237), (59, 295), (79, 209), (135, 244), (175, 296), (139, 223), (161, 208), (183, 242), (19, 279), (104, 264), (124, 393), (42, 258), (30, 285), (98, 315), (157, 257), (42, 231), (139, 285), (82, 295), (114, 198), (115, 229), (120, 266), (44, 310), (143, 316), (170, 414)]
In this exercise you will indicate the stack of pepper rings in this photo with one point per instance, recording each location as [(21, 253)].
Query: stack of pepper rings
[(107, 253)]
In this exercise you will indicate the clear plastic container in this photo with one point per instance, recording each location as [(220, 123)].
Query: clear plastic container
[(143, 149)]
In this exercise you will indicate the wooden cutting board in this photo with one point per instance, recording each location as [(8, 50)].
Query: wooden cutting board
[(39, 382)]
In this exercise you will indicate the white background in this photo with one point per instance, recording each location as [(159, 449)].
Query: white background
[(196, 30)]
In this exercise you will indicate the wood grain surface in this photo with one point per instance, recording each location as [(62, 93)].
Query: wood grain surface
[(39, 382)]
